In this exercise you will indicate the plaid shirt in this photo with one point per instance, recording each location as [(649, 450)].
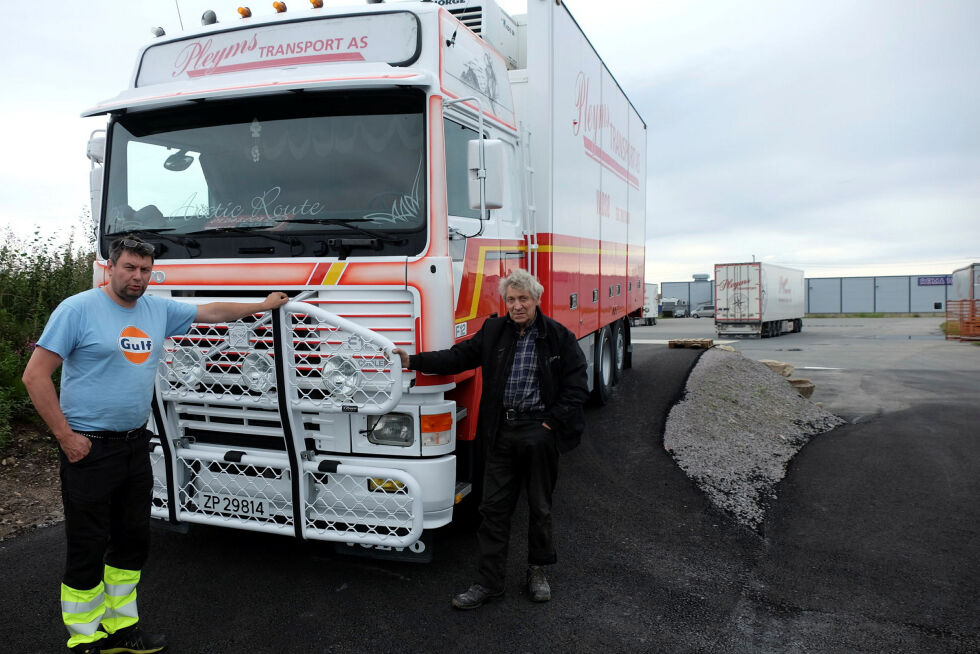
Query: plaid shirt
[(522, 392)]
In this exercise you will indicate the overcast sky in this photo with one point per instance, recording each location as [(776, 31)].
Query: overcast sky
[(837, 136)]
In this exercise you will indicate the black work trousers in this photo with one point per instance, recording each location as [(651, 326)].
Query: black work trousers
[(107, 499), (524, 455)]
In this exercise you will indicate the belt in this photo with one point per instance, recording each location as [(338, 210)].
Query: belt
[(138, 432), (513, 415)]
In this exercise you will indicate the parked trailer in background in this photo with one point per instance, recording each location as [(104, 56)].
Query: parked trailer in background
[(386, 165), (963, 304), (650, 312), (758, 299), (672, 307)]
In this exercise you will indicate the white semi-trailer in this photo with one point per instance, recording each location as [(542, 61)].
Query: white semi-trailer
[(650, 311), (758, 299)]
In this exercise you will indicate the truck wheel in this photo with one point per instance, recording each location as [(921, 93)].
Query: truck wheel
[(628, 358), (603, 367), (797, 325), (618, 336)]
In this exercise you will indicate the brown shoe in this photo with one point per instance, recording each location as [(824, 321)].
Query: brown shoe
[(537, 584), (475, 597)]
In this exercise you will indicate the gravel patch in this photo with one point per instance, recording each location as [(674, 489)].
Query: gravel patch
[(736, 429)]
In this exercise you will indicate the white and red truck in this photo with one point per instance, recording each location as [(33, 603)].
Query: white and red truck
[(386, 165), (758, 299)]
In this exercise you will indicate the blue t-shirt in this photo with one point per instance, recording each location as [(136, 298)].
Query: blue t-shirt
[(110, 356)]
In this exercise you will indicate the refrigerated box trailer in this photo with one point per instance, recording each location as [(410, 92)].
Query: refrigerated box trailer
[(650, 311), (386, 165), (758, 299), (963, 304)]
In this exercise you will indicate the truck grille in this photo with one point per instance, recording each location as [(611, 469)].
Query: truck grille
[(333, 366), (220, 381)]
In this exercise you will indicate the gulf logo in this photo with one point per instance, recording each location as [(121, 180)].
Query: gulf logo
[(135, 345)]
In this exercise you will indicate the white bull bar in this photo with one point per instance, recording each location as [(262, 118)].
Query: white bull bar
[(296, 492)]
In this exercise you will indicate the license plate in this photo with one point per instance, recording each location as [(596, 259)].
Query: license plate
[(237, 506)]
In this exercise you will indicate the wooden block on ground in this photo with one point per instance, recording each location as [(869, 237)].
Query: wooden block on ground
[(695, 343)]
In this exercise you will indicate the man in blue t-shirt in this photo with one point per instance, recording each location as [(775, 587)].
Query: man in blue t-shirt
[(108, 341)]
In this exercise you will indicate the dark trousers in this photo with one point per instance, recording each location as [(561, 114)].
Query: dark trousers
[(107, 509), (524, 455)]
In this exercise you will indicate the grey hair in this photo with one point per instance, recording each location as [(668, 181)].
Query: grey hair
[(522, 280)]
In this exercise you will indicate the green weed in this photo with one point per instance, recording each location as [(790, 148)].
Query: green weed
[(35, 275)]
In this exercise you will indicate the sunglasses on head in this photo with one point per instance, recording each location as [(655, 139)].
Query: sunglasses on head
[(139, 246)]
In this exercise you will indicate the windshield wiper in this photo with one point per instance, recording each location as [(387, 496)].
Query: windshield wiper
[(345, 222), (253, 231), (186, 243)]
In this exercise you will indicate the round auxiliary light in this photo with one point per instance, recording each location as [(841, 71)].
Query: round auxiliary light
[(188, 367), (258, 373), (341, 376)]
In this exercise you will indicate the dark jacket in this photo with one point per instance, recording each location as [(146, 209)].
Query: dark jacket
[(561, 369)]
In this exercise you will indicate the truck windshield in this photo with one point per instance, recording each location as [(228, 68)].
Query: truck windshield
[(294, 175)]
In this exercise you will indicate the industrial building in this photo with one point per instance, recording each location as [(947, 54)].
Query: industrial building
[(922, 294)]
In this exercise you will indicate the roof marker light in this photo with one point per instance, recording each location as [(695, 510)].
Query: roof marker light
[(245, 12), (317, 4), (280, 7), (158, 31), (209, 18)]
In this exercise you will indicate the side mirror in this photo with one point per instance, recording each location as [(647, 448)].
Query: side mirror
[(487, 178), (96, 147), (96, 154)]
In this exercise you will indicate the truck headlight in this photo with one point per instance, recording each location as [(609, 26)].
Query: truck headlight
[(341, 376), (391, 429), (188, 367), (258, 372)]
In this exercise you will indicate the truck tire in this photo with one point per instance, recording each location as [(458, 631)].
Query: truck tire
[(628, 331), (602, 367), (618, 335)]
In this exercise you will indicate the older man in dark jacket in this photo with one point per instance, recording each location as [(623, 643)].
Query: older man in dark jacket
[(534, 386)]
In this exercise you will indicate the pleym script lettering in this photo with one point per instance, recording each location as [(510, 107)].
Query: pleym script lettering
[(729, 284), (596, 118), (203, 57)]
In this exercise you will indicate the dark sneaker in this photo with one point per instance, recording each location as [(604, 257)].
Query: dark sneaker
[(475, 597), (133, 640), (537, 584)]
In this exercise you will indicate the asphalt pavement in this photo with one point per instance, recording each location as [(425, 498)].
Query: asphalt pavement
[(872, 545)]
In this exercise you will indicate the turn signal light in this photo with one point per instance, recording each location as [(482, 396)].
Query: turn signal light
[(436, 422), (437, 429)]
